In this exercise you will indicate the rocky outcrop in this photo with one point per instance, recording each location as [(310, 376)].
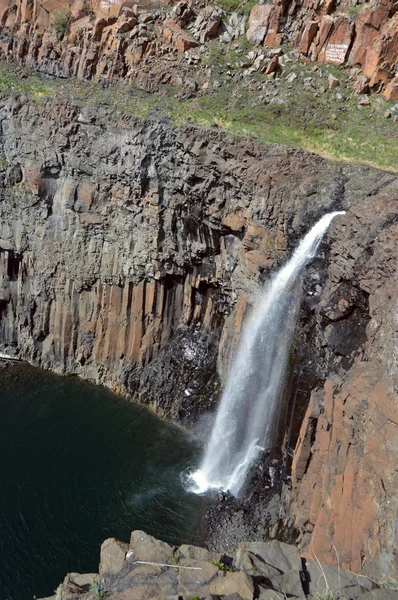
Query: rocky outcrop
[(147, 569), (137, 42), (344, 500), (130, 252), (360, 34)]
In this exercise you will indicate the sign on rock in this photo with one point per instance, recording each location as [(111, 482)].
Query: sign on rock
[(336, 52)]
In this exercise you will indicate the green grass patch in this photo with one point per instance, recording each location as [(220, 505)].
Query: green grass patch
[(317, 122), (239, 6), (357, 140), (33, 86), (390, 584), (221, 566)]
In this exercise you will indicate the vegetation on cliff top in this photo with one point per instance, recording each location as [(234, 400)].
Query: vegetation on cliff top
[(330, 124)]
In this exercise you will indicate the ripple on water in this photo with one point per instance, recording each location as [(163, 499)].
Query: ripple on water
[(77, 465)]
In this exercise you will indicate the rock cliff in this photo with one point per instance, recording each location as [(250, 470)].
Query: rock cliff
[(119, 235), (129, 252), (144, 42)]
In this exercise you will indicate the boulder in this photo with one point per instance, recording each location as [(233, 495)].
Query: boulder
[(207, 23), (178, 37), (147, 548), (333, 39), (278, 555), (324, 577), (272, 65), (391, 91), (112, 556), (196, 553), (333, 82), (361, 85), (190, 580), (289, 584), (83, 580), (233, 583)]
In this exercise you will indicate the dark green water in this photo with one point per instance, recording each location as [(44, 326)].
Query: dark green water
[(78, 465)]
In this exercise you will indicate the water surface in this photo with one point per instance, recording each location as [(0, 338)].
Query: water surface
[(78, 465)]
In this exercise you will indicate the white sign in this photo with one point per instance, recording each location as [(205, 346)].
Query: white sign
[(336, 52)]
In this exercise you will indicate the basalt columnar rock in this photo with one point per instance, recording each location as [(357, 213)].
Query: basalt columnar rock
[(130, 252), (122, 39), (148, 569), (343, 484), (125, 244)]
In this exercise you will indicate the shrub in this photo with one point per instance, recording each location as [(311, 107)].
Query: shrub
[(60, 22), (221, 566), (97, 588)]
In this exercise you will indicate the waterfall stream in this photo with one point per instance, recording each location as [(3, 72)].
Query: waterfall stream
[(245, 423)]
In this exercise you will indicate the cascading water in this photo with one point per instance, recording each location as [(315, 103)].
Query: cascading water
[(245, 421)]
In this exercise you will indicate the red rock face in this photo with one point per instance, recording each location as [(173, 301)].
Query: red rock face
[(333, 40), (368, 39), (258, 22), (344, 470), (113, 37)]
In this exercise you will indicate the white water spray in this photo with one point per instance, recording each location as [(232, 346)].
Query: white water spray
[(248, 411)]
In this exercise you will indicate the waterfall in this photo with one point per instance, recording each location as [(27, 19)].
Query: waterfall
[(246, 418)]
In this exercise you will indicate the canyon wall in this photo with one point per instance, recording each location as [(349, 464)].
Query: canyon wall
[(344, 469), (149, 43), (117, 235), (130, 250)]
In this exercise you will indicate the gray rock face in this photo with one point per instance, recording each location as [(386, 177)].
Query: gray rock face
[(118, 236), (158, 575)]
